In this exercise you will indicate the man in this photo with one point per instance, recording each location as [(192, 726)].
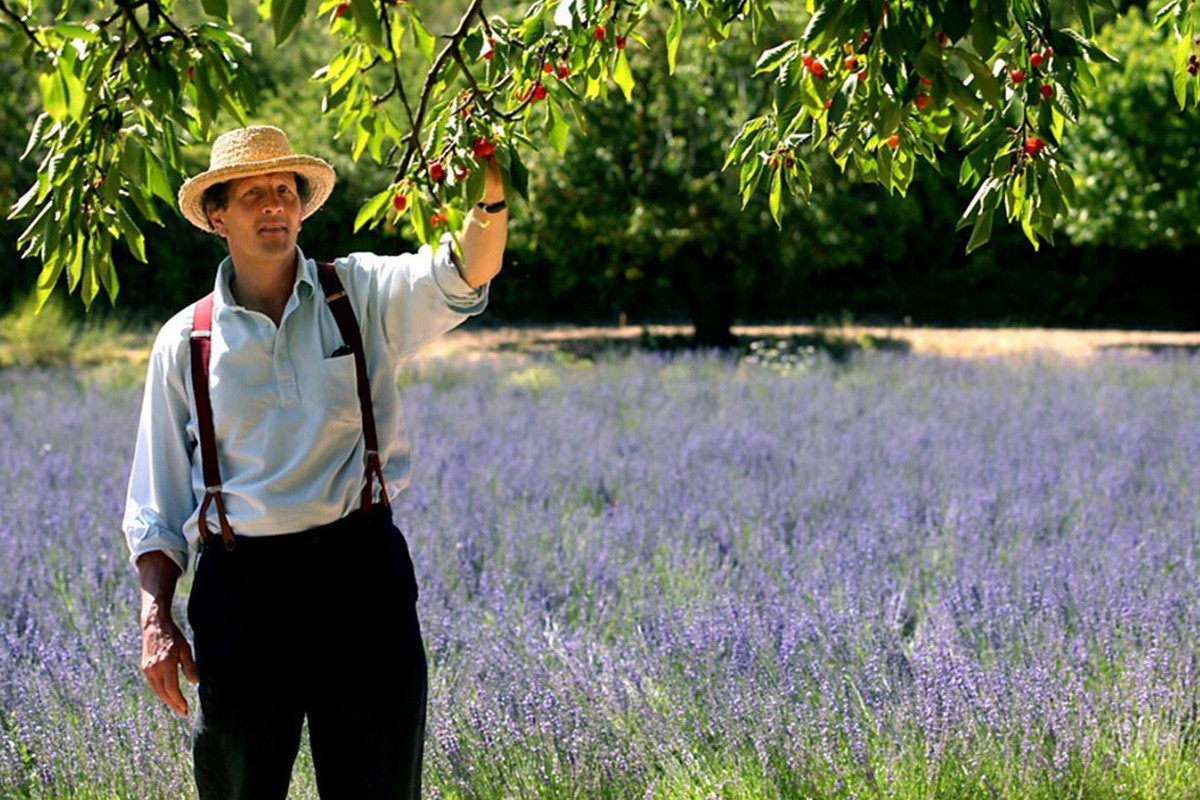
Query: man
[(303, 601)]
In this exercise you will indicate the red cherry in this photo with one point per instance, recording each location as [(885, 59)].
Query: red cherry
[(488, 48), (1047, 91), (807, 60), (621, 42), (1049, 51), (437, 172), (563, 71), (437, 219), (925, 81), (599, 33), (399, 202), (539, 92), (460, 172), (893, 141), (922, 101), (789, 163), (818, 70), (1017, 75), (482, 148), (547, 67), (862, 76), (851, 63), (1033, 145), (191, 73), (942, 38), (828, 102), (1035, 60)]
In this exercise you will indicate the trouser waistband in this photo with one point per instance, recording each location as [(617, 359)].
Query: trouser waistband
[(340, 530)]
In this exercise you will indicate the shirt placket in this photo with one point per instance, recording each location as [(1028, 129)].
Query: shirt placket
[(281, 360)]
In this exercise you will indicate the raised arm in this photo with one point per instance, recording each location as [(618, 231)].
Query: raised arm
[(485, 234)]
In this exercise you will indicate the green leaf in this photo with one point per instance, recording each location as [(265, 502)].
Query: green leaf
[(1183, 50), (533, 29), (47, 280), (559, 129), (518, 174), (825, 16), (1166, 12), (981, 76), (674, 36), (108, 278), (372, 208), (982, 230), (424, 39), (742, 140), (1083, 9), (156, 179), (366, 17), (776, 195), (623, 76), (770, 60), (285, 16), (132, 234), (54, 94), (419, 217), (36, 135), (216, 8), (476, 184)]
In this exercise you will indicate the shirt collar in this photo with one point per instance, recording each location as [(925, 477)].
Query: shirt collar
[(304, 288)]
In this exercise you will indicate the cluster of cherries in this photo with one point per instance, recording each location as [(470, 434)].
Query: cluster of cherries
[(1038, 61), (482, 149)]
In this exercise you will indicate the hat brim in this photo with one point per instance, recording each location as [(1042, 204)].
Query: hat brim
[(318, 173)]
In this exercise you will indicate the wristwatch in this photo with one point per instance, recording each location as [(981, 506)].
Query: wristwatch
[(492, 208)]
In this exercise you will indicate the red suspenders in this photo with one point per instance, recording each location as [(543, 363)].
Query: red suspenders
[(201, 342)]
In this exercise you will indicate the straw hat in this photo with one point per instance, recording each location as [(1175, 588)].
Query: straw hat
[(257, 150)]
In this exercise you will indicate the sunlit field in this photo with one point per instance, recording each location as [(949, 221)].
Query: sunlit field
[(901, 576)]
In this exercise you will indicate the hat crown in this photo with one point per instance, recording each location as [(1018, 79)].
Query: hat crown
[(247, 145)]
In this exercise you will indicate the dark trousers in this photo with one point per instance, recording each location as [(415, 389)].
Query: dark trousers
[(320, 624)]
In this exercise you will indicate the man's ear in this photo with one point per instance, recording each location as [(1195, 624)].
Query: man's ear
[(216, 220)]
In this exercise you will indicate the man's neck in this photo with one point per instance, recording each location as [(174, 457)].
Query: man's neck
[(264, 287)]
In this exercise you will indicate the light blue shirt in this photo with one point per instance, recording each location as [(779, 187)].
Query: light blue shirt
[(286, 413)]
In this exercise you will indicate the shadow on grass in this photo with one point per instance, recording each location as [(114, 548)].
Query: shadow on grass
[(836, 345), (1153, 348)]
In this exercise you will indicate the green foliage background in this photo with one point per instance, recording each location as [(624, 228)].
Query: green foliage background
[(638, 217)]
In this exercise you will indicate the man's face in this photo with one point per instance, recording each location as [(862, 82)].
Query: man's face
[(261, 219)]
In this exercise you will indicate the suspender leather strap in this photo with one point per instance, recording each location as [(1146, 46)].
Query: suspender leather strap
[(347, 324), (201, 345)]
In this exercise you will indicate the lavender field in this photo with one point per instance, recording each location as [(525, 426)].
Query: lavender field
[(899, 577)]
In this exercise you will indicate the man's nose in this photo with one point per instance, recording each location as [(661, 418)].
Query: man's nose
[(272, 202)]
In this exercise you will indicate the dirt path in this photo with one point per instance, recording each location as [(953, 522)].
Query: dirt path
[(963, 342)]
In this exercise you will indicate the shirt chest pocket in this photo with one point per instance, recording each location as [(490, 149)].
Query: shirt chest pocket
[(337, 390)]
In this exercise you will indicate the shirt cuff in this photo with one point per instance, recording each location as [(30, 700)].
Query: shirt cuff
[(146, 536), (447, 273)]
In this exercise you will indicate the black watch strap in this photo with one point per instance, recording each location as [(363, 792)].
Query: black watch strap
[(492, 208)]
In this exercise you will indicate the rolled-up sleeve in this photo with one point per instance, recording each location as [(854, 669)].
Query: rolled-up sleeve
[(420, 295), (160, 497)]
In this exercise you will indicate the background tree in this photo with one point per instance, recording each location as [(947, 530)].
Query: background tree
[(878, 86)]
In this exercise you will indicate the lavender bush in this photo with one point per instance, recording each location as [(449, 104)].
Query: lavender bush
[(688, 578)]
